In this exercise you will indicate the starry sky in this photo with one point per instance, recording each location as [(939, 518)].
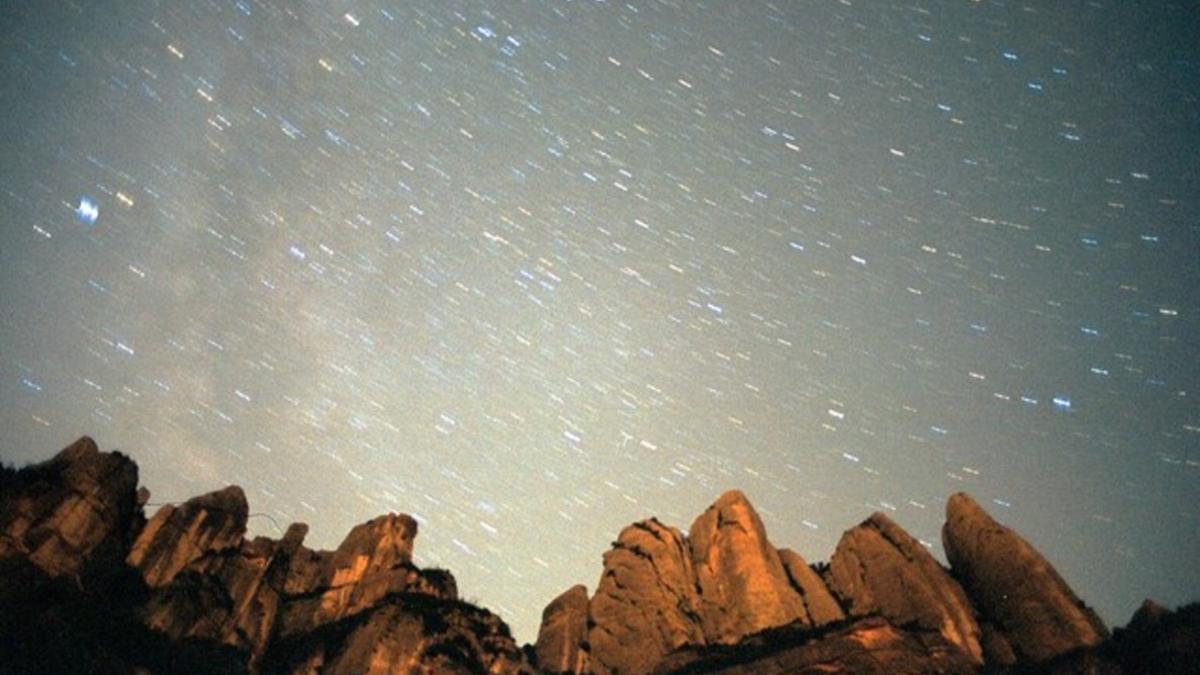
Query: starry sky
[(531, 271)]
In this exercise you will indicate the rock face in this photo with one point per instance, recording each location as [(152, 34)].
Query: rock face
[(178, 537), (742, 583), (561, 639), (1014, 586), (189, 577), (820, 607), (209, 582), (880, 568), (374, 560), (661, 592), (407, 633), (646, 603), (73, 513)]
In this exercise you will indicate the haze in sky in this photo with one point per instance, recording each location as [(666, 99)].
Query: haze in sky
[(532, 271)]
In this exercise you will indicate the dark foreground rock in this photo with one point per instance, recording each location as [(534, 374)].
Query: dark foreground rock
[(868, 647)]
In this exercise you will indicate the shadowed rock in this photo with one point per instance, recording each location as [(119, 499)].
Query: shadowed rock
[(646, 603), (191, 593), (880, 568), (820, 607), (871, 646), (1014, 586), (404, 634), (75, 511), (563, 632)]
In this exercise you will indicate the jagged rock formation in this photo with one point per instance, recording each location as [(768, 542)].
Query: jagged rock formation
[(723, 600), (177, 537), (75, 510), (661, 592), (1014, 586), (191, 578), (878, 568), (561, 639), (87, 584)]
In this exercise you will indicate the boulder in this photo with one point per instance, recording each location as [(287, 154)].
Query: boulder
[(879, 568), (561, 639), (1014, 586)]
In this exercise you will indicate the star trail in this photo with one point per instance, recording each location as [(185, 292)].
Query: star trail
[(531, 271)]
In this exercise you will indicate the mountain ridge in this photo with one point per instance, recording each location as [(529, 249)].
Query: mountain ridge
[(101, 588)]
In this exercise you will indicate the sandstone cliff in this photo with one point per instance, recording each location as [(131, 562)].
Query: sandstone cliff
[(878, 568), (661, 592), (724, 600)]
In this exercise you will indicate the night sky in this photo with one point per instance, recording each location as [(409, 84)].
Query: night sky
[(531, 271)]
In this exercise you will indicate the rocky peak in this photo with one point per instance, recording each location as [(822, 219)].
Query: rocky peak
[(376, 545), (661, 591), (742, 583), (879, 568), (192, 579), (178, 536), (646, 603), (1014, 586), (87, 583), (374, 559), (563, 633)]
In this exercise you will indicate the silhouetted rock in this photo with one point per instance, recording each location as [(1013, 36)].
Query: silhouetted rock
[(1013, 586), (880, 568), (561, 638), (743, 586), (820, 607), (646, 603), (1157, 641)]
